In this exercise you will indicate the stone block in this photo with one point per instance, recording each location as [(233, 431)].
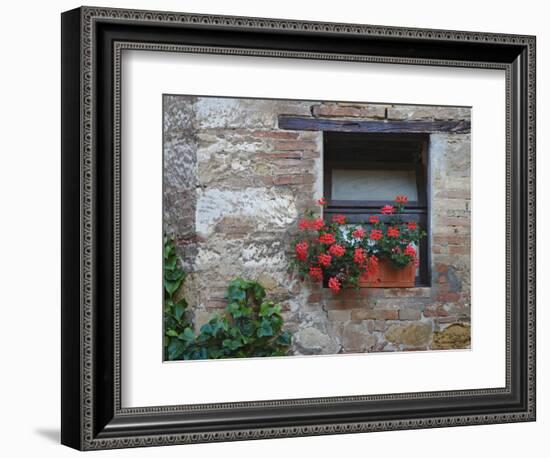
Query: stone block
[(414, 334), (313, 341), (267, 281), (456, 336), (357, 338), (417, 113)]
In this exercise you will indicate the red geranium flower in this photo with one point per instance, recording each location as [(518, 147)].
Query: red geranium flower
[(410, 251), (304, 224), (359, 256), (317, 224), (340, 219), (358, 233), (393, 232), (316, 273), (322, 201), (374, 219), (325, 259), (334, 284), (301, 251), (327, 239), (387, 209), (337, 250), (401, 199), (411, 225), (375, 234)]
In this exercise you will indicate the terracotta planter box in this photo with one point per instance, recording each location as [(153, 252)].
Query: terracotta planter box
[(390, 277)]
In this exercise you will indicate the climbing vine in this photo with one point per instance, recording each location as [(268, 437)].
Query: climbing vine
[(250, 327), (175, 310)]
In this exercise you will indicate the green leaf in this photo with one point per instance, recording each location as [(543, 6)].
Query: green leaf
[(180, 308), (258, 291), (216, 353), (174, 275), (231, 344), (247, 327), (236, 293), (171, 262), (168, 248), (203, 353), (234, 309), (206, 328), (171, 286), (284, 338), (265, 309), (175, 349), (265, 329), (218, 326), (172, 333), (187, 335), (276, 322)]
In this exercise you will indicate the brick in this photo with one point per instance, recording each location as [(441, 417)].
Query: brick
[(293, 179), (349, 111), (339, 315), (295, 145), (280, 162), (216, 304), (332, 304), (442, 204), (459, 249), (453, 221), (453, 194), (282, 155), (451, 319), (314, 297), (386, 304), (363, 314), (448, 297), (409, 314), (451, 239), (435, 311), (371, 314), (276, 134)]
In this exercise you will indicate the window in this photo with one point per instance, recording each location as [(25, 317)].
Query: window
[(363, 171)]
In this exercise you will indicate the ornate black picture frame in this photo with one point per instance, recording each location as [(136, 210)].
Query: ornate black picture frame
[(92, 41)]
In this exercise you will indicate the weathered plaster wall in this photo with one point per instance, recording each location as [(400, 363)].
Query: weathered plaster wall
[(235, 185)]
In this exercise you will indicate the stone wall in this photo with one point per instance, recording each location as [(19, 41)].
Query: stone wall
[(235, 185)]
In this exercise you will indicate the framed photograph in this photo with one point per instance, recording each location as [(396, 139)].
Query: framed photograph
[(276, 228)]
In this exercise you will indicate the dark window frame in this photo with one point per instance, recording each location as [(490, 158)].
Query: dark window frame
[(358, 211)]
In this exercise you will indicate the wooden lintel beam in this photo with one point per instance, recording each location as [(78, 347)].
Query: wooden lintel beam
[(346, 125)]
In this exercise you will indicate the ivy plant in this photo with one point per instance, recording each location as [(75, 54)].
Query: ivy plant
[(250, 327), (175, 310)]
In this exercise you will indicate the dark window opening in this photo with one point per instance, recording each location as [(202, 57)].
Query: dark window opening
[(364, 171)]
